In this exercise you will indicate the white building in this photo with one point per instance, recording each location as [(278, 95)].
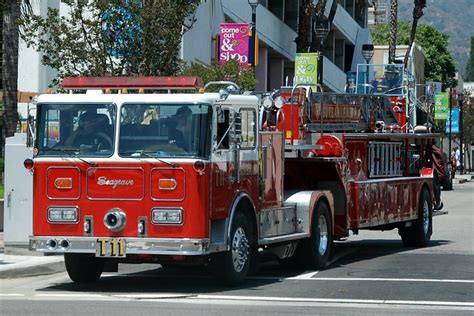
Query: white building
[(277, 30)]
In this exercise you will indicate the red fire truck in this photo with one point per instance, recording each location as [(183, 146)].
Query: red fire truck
[(191, 177)]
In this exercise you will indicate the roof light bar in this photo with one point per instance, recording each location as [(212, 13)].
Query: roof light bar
[(132, 83)]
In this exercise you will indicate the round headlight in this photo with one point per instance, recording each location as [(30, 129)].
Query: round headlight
[(267, 103), (279, 101)]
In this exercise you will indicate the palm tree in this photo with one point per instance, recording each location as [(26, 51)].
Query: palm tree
[(10, 14), (417, 14), (304, 26), (392, 44), (12, 10)]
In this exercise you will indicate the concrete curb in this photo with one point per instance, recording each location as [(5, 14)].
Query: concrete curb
[(26, 266), (463, 178)]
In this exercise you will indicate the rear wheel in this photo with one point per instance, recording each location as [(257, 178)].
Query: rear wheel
[(233, 266), (83, 268), (313, 252), (419, 234)]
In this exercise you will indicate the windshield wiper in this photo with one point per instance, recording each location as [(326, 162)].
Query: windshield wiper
[(71, 153), (149, 155)]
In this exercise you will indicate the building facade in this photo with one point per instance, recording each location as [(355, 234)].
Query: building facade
[(277, 23)]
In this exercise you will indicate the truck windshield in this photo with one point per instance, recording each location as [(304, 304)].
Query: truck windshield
[(165, 130), (76, 129)]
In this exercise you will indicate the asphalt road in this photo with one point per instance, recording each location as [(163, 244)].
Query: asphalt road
[(371, 274)]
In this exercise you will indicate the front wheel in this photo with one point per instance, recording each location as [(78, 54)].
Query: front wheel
[(419, 234), (83, 268), (313, 252), (232, 266)]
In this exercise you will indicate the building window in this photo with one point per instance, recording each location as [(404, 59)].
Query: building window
[(291, 13), (277, 8)]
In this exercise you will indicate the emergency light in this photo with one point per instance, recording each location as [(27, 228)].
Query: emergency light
[(132, 82)]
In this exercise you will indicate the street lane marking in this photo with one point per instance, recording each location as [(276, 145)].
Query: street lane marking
[(333, 300), (71, 295), (221, 299), (308, 277), (147, 296), (304, 276), (391, 280)]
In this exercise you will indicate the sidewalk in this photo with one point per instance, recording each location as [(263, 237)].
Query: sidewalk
[(15, 266), (461, 178)]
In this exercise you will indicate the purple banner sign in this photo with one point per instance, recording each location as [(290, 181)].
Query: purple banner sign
[(234, 42)]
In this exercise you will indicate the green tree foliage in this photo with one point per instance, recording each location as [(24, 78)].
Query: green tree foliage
[(470, 63), (110, 38), (439, 63), (230, 71)]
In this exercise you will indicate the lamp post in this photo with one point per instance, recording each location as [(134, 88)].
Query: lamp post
[(460, 101), (321, 29), (367, 53), (450, 122), (253, 4)]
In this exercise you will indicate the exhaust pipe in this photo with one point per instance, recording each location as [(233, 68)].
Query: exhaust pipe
[(64, 244), (52, 244)]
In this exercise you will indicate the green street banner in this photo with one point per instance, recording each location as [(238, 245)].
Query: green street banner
[(441, 101), (306, 69)]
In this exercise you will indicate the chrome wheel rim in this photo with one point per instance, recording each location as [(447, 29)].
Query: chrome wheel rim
[(240, 249), (426, 217), (323, 235)]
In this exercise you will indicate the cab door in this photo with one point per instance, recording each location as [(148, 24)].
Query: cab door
[(222, 164)]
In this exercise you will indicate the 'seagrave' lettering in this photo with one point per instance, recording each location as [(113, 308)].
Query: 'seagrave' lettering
[(113, 182)]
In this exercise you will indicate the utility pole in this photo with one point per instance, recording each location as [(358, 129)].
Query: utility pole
[(461, 156), (450, 122)]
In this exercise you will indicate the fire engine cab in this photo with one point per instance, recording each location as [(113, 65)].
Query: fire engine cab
[(166, 173)]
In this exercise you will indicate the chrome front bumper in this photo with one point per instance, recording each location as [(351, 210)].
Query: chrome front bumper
[(149, 246)]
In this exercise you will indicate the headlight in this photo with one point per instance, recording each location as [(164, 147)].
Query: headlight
[(63, 214), (167, 216)]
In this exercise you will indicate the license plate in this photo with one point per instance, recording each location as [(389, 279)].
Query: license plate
[(110, 247)]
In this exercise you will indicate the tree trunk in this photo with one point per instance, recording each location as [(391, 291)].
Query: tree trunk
[(392, 44), (11, 12), (304, 27), (417, 14)]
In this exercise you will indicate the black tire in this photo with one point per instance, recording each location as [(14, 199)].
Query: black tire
[(313, 253), (419, 234), (83, 268), (231, 267)]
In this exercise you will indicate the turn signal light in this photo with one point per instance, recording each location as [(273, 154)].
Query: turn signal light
[(63, 183), (28, 163), (167, 184)]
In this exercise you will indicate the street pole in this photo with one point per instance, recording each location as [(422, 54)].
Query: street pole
[(320, 63), (367, 53), (254, 4), (450, 123), (321, 30), (461, 159), (254, 31)]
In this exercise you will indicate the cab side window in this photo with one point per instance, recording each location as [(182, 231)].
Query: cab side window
[(248, 123), (223, 129)]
